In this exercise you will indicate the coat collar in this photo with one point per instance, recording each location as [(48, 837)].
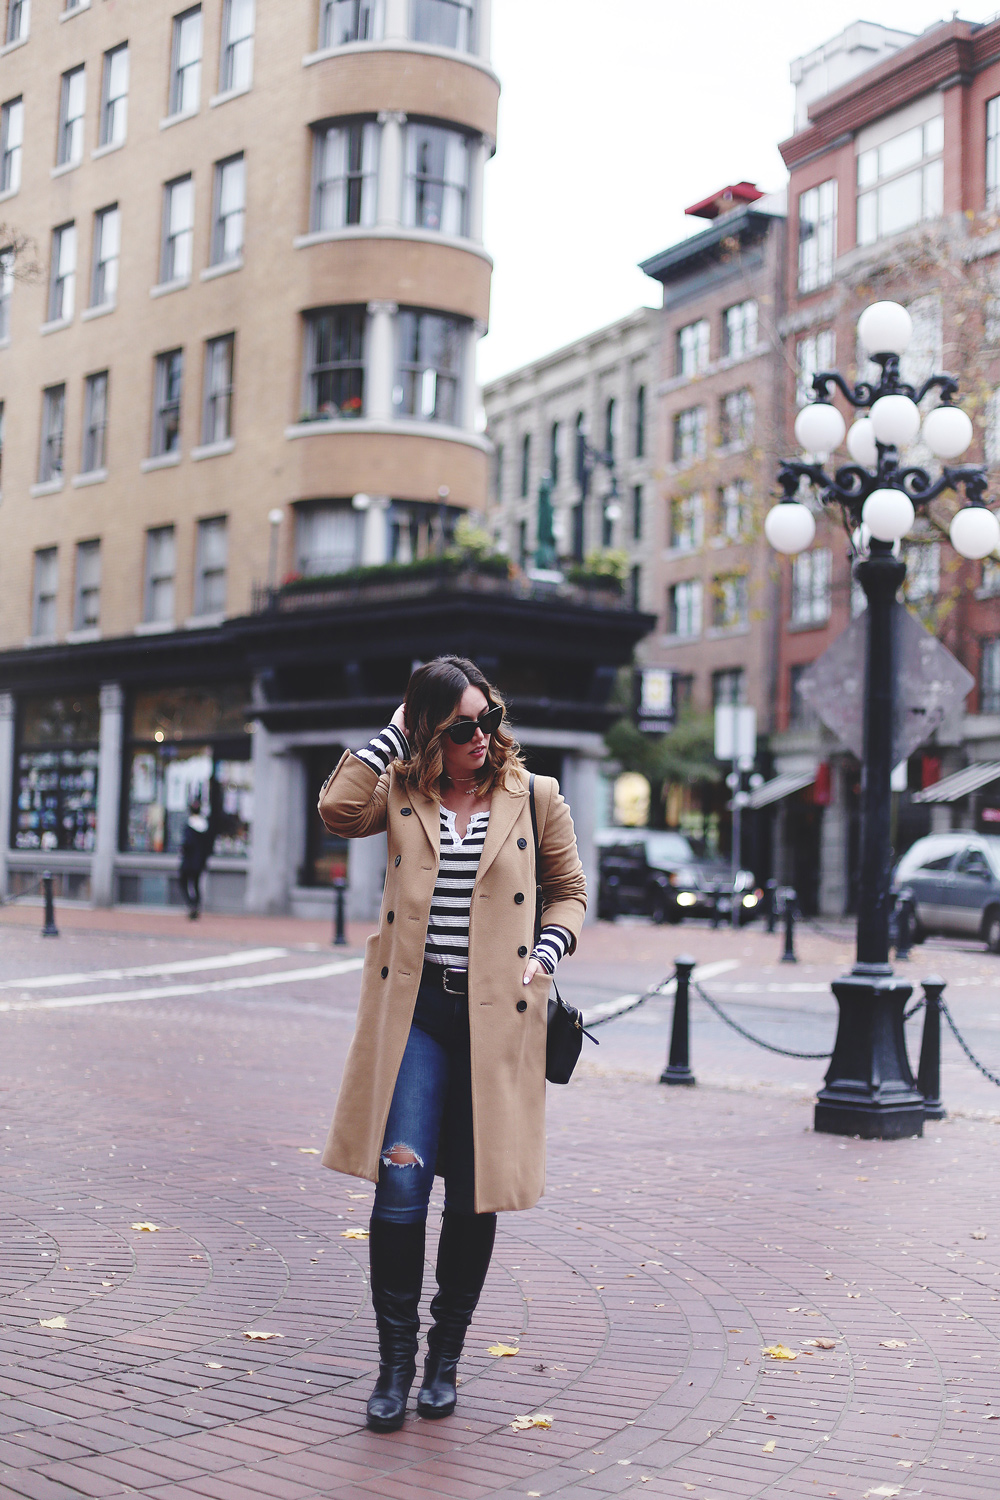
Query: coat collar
[(504, 808)]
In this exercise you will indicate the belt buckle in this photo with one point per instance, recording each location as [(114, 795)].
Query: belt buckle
[(446, 983)]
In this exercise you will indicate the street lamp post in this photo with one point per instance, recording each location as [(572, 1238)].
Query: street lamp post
[(869, 1089), (587, 460)]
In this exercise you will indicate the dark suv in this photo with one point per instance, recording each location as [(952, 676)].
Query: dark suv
[(955, 880), (656, 873)]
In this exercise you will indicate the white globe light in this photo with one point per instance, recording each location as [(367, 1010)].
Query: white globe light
[(888, 514), (862, 538), (861, 442), (819, 427), (895, 420), (975, 531), (789, 527), (361, 502), (947, 431), (885, 328)]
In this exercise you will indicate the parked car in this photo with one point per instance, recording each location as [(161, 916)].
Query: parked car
[(955, 881), (657, 873)]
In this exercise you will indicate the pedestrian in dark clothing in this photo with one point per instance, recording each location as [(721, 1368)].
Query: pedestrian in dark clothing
[(196, 846)]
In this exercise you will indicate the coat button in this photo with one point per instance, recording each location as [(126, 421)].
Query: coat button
[(519, 899), (405, 812), (522, 952), (522, 1005), (522, 843), (397, 859), (385, 973), (391, 917)]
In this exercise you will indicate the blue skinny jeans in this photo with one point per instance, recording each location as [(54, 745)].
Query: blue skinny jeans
[(429, 1129)]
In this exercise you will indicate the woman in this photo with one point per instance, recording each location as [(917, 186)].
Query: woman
[(446, 1072)]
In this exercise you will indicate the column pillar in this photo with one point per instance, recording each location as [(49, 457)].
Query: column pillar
[(366, 862), (833, 849), (483, 31), (375, 536), (470, 386), (8, 710), (109, 782), (580, 786), (381, 360), (480, 155), (275, 808), (397, 14), (389, 204)]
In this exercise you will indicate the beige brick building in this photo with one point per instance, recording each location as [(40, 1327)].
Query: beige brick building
[(237, 342)]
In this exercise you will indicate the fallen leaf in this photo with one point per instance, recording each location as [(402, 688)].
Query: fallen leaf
[(213, 1365), (57, 1322), (822, 1343), (861, 1179), (521, 1424), (728, 1330), (503, 1350), (107, 1283), (149, 1228), (779, 1351), (354, 1234), (253, 1333), (979, 1234), (905, 1463), (795, 1309), (892, 1343), (688, 1486), (309, 1150), (357, 1195), (769, 1447), (883, 1489)]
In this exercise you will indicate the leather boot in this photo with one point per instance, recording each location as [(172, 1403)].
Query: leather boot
[(397, 1271), (463, 1259)]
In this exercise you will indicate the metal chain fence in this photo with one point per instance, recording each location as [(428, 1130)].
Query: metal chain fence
[(28, 891), (758, 1041), (960, 1039)]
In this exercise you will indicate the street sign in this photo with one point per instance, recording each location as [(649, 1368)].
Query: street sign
[(655, 714), (735, 732), (931, 686)]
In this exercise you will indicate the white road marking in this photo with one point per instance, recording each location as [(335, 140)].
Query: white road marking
[(148, 971), (805, 988), (173, 991), (621, 1002)]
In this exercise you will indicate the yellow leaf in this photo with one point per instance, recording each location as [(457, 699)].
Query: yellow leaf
[(149, 1228), (502, 1350), (57, 1322), (779, 1351), (769, 1447), (521, 1424), (354, 1234), (309, 1150), (252, 1333), (892, 1343)]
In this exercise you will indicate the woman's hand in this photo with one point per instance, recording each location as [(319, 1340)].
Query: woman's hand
[(534, 968), (398, 720)]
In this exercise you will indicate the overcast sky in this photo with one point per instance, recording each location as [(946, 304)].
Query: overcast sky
[(616, 114)]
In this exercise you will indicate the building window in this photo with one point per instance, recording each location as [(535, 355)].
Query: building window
[(990, 585), (87, 590), (901, 182), (686, 520), (442, 23), (640, 422), (11, 143), (693, 343), (684, 609), (811, 577), (436, 190), (178, 230), (989, 677), (18, 20), (335, 344), (236, 63), (554, 443), (114, 97), (728, 687), (610, 428), (161, 567), (185, 63), (729, 601), (107, 250), (6, 292), (327, 538), (217, 410), (992, 153), (344, 21), (228, 210), (580, 449), (94, 455), (637, 512), (991, 430), (429, 367), (817, 235), (689, 435), (62, 274), (169, 375), (43, 597), (525, 465), (635, 586), (72, 102), (50, 458), (816, 352), (739, 329), (345, 174), (736, 419), (923, 571), (801, 714), (734, 510), (211, 557)]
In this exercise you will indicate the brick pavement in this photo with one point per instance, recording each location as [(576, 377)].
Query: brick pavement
[(682, 1232)]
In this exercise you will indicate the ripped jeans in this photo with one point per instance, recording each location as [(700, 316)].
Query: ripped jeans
[(430, 1119)]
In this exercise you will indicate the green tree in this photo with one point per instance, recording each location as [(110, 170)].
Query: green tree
[(683, 756)]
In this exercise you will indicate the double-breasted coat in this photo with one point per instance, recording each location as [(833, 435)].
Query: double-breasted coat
[(507, 1044)]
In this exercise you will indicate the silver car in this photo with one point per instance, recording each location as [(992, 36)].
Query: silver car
[(955, 880)]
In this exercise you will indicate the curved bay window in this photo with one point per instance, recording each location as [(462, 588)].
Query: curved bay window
[(345, 174), (437, 179), (443, 23), (55, 791), (189, 745), (335, 363), (429, 366), (327, 537), (344, 21)]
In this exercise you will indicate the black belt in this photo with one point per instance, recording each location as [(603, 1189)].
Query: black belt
[(452, 981)]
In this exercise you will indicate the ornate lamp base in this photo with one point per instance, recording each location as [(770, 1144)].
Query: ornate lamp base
[(869, 1089)]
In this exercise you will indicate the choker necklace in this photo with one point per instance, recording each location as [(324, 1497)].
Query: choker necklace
[(462, 791)]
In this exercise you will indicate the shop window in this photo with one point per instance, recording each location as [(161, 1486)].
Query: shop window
[(55, 792)]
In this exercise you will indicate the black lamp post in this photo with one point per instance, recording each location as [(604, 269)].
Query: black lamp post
[(588, 458), (869, 1088)]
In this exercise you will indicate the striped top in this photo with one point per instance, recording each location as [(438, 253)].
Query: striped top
[(447, 941)]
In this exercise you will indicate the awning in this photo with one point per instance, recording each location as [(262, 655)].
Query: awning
[(961, 783), (783, 786)]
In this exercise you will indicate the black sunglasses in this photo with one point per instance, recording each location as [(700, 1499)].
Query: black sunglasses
[(462, 732)]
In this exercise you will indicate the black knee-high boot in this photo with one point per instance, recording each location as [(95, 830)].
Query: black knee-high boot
[(463, 1259), (397, 1271)]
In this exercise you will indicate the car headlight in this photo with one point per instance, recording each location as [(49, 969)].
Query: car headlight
[(750, 900), (687, 898)]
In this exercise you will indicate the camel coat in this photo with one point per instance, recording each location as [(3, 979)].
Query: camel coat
[(507, 1045)]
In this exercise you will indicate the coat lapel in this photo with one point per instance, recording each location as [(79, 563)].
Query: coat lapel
[(427, 811), (504, 810)]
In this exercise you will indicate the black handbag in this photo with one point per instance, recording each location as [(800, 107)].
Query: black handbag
[(565, 1030)]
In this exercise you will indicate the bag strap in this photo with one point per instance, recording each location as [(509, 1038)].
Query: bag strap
[(534, 835)]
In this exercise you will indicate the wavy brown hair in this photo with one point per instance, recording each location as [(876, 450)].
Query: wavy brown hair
[(433, 695)]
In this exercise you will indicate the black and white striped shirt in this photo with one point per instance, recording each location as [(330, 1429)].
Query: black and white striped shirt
[(447, 941)]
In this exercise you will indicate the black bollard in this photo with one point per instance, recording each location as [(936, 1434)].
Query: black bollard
[(904, 914), (677, 1069), (771, 897), (49, 928), (339, 934), (713, 892), (788, 906), (929, 1071)]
